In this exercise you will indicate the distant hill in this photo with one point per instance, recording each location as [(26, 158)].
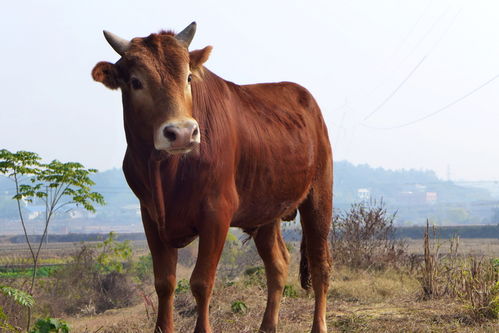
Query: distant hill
[(392, 185), (416, 194), (113, 186)]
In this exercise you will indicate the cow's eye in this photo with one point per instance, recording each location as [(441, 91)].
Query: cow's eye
[(189, 78), (136, 84)]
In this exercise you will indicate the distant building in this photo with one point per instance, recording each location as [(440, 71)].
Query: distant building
[(418, 197), (363, 194), (420, 188), (431, 197)]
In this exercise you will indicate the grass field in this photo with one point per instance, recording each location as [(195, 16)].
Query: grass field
[(19, 253), (488, 247), (53, 250), (385, 314), (358, 302), (362, 300)]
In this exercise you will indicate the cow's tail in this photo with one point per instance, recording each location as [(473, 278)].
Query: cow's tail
[(304, 267)]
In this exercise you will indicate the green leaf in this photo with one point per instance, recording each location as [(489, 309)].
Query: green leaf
[(19, 296), (239, 307), (49, 325)]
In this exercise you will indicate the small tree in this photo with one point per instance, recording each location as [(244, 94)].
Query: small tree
[(363, 236), (58, 185), (112, 254)]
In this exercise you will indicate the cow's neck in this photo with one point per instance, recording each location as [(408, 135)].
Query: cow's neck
[(215, 121)]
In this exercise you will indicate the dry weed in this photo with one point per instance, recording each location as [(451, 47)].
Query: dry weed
[(475, 281)]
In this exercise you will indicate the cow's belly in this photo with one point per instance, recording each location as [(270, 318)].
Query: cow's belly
[(247, 217), (270, 196)]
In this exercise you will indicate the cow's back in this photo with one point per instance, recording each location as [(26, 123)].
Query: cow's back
[(282, 141)]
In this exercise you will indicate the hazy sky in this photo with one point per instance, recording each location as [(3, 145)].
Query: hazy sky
[(373, 66)]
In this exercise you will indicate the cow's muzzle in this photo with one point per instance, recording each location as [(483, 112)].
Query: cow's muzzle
[(178, 137)]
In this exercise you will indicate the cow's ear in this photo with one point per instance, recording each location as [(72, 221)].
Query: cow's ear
[(106, 73), (199, 57)]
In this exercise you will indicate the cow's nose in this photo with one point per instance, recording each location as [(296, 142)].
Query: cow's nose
[(183, 135), (171, 132)]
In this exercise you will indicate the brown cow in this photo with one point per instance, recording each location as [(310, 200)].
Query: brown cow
[(205, 154)]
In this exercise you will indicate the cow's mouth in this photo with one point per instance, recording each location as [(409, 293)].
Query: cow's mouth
[(179, 151), (182, 150)]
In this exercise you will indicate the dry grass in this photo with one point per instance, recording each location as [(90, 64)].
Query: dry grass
[(488, 247), (359, 301), (471, 279), (367, 287), (12, 253)]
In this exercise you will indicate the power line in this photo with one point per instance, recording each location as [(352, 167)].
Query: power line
[(396, 89), (425, 35), (430, 30), (415, 68), (445, 107), (413, 28)]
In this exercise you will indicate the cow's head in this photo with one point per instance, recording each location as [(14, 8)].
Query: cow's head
[(154, 75)]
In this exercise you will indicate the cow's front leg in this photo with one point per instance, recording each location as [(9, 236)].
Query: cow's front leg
[(164, 265), (164, 259), (211, 243)]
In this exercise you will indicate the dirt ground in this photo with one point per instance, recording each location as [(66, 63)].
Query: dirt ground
[(358, 302), (296, 317)]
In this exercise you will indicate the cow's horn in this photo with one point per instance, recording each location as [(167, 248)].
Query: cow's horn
[(120, 45), (187, 34)]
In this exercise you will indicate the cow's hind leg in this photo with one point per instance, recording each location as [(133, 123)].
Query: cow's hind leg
[(316, 214), (274, 253)]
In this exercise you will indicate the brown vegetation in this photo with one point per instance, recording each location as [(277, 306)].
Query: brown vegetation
[(473, 280), (386, 299), (80, 288), (363, 237), (360, 301)]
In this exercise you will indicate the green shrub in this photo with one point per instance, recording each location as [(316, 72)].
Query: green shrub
[(239, 307), (84, 287), (255, 276), (236, 257), (495, 263), (256, 270), (50, 325), (182, 286), (113, 254), (290, 291), (143, 268), (15, 273)]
